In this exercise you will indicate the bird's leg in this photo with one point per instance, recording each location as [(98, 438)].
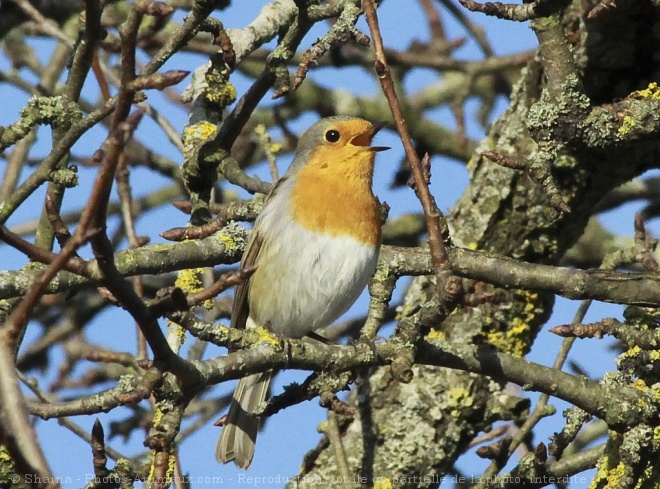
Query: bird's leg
[(326, 341)]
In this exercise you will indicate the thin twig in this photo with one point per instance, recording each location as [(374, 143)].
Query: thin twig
[(47, 26), (64, 420), (509, 11), (225, 282), (449, 287), (16, 424), (602, 6), (338, 447), (435, 22), (128, 219), (475, 30)]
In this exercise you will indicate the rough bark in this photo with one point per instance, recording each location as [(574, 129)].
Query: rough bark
[(417, 430)]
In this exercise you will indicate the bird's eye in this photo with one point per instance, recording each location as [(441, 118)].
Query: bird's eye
[(332, 136)]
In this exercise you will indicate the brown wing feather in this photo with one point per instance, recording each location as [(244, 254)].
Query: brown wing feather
[(240, 308)]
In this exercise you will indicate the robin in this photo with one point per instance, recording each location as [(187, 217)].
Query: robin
[(315, 245)]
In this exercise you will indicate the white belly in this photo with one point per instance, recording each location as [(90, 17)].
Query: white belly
[(305, 281)]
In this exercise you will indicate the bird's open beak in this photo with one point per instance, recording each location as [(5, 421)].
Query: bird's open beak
[(365, 138)]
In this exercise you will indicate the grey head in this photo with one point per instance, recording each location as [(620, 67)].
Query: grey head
[(315, 136)]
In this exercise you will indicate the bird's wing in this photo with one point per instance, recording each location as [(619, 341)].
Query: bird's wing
[(240, 308)]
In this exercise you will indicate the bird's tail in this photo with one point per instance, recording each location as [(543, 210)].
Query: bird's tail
[(239, 433)]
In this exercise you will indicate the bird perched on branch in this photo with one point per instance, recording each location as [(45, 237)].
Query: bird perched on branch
[(315, 245)]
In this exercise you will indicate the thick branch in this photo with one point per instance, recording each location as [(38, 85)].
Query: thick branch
[(620, 410), (226, 247)]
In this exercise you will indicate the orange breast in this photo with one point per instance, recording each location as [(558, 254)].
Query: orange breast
[(332, 195)]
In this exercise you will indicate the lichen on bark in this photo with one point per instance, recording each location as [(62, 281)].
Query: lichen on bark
[(504, 212)]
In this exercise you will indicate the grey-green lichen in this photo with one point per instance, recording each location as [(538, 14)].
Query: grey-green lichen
[(233, 236), (543, 116), (5, 308), (65, 177), (630, 458), (198, 174), (50, 110), (54, 111), (575, 419), (598, 127), (627, 121), (126, 382)]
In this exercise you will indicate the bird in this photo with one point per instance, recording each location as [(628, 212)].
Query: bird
[(315, 245)]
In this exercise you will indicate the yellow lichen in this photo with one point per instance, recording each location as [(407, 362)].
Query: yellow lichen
[(640, 385), (224, 95), (122, 464), (614, 475), (4, 455), (497, 339), (381, 274), (404, 311), (228, 241), (459, 397), (610, 472), (265, 336), (171, 463), (217, 90), (601, 474), (7, 467), (189, 280), (158, 416), (436, 334), (157, 419), (178, 331), (530, 305), (456, 394), (627, 125), (515, 339), (545, 23), (632, 352), (383, 483), (656, 433), (652, 91), (195, 134), (152, 468), (512, 341)]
